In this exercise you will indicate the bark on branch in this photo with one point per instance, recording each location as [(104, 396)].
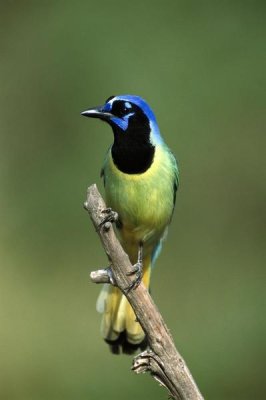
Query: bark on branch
[(163, 360)]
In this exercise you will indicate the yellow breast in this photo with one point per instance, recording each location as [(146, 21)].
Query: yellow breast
[(144, 201)]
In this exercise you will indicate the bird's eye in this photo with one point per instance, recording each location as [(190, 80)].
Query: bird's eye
[(121, 108)]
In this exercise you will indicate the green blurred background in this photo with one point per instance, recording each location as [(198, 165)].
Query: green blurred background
[(201, 66)]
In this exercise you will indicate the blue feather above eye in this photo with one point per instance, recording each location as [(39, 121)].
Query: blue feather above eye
[(122, 121), (156, 137)]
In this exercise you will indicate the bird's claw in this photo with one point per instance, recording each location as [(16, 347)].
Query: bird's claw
[(110, 217), (136, 270)]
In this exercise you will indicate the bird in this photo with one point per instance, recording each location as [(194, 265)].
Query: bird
[(141, 178)]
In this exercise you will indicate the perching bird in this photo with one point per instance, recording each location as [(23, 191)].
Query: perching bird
[(141, 178)]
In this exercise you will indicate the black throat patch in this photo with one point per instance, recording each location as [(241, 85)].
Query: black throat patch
[(132, 151)]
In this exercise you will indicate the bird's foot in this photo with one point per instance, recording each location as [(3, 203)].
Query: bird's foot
[(137, 271), (110, 217)]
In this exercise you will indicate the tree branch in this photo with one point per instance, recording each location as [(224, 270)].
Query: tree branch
[(163, 361)]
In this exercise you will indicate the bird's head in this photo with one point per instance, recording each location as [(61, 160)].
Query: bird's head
[(130, 117)]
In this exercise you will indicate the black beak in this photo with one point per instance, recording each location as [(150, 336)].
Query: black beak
[(97, 112)]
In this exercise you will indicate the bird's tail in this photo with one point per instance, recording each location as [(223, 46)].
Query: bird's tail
[(119, 326)]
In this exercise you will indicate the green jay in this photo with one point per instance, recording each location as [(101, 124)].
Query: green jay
[(140, 176)]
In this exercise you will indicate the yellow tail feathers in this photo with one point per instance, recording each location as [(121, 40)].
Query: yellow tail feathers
[(118, 316)]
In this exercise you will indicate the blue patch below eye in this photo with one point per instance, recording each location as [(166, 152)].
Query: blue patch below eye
[(122, 122)]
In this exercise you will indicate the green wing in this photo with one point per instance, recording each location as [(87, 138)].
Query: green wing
[(176, 177)]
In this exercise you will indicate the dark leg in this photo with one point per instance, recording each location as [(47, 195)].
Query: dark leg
[(137, 270)]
